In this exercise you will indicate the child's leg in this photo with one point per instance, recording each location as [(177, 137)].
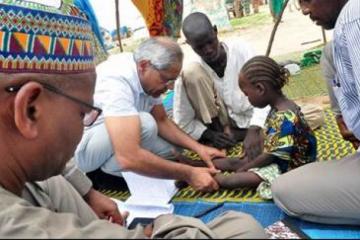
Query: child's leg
[(229, 164), (223, 164), (238, 180)]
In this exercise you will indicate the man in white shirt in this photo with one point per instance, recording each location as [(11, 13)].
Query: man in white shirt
[(209, 104), (134, 133)]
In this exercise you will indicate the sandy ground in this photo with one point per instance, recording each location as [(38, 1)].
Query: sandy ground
[(295, 30)]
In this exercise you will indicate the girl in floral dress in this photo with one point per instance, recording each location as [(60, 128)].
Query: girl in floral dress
[(289, 141)]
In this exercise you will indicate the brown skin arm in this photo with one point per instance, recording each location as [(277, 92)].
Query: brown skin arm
[(260, 161), (104, 207), (254, 142), (346, 134), (173, 134), (125, 136)]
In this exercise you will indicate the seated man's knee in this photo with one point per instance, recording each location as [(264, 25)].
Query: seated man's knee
[(249, 227), (148, 125), (278, 189), (286, 195), (193, 73)]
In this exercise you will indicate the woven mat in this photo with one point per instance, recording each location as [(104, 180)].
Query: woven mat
[(330, 146)]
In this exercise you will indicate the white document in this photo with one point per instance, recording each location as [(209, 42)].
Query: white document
[(149, 198), (142, 210), (149, 191)]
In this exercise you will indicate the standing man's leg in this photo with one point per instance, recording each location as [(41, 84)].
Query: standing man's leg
[(246, 7), (238, 9), (324, 192)]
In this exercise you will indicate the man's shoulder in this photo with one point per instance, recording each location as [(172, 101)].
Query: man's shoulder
[(236, 43), (8, 198), (120, 66), (350, 12), (118, 62), (121, 57), (239, 49)]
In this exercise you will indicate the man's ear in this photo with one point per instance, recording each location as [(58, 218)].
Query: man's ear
[(260, 88), (143, 65), (27, 108)]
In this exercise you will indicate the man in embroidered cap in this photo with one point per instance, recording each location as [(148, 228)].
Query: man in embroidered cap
[(47, 81)]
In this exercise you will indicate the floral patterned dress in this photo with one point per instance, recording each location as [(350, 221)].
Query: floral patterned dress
[(291, 140)]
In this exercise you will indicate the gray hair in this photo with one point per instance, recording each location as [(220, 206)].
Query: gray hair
[(160, 51)]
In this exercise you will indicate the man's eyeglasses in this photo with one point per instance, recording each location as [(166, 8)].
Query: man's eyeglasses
[(168, 82), (89, 117)]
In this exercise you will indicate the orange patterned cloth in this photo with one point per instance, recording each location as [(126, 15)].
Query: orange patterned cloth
[(162, 17)]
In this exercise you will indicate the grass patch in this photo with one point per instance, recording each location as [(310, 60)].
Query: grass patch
[(309, 83), (254, 20), (295, 56)]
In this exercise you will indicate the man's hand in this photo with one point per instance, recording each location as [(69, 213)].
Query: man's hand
[(207, 154), (104, 207), (346, 134), (254, 142), (202, 179), (218, 139)]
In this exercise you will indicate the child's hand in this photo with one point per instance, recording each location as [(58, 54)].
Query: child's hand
[(254, 142)]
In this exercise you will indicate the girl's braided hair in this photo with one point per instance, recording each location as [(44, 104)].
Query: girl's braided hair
[(265, 69)]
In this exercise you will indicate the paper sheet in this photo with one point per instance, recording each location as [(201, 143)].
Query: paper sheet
[(151, 191), (149, 198), (142, 210)]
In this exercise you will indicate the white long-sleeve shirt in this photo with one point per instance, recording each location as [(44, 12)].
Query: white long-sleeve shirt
[(238, 106)]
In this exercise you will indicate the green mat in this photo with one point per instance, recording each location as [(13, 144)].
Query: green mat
[(330, 146)]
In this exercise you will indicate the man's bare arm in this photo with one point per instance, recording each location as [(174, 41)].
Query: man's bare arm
[(125, 137)]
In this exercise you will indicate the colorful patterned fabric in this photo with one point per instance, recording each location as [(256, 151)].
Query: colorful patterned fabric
[(290, 139), (330, 145), (162, 17), (268, 174), (40, 39)]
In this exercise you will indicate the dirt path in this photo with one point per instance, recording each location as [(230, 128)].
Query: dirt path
[(295, 30)]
